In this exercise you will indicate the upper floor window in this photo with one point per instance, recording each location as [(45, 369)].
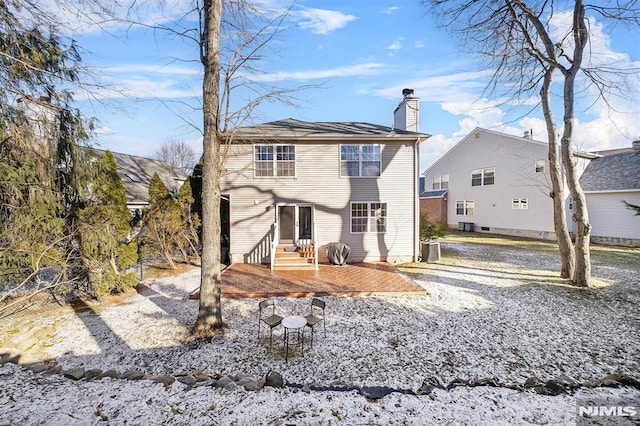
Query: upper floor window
[(440, 182), (519, 203), (275, 160), (480, 177), (540, 166), (368, 216), (360, 160)]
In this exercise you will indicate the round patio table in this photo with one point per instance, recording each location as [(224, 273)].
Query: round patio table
[(293, 325)]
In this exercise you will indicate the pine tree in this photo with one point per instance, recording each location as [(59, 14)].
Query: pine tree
[(162, 229), (190, 220), (104, 227)]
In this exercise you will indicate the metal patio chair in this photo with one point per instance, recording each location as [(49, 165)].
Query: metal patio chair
[(316, 317), (272, 320)]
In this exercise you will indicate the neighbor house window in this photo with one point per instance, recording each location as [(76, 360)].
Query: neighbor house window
[(368, 216), (540, 166), (360, 160), (465, 208), (480, 177), (440, 182), (275, 160), (519, 203)]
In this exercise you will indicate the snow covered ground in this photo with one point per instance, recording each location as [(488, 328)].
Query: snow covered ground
[(497, 315)]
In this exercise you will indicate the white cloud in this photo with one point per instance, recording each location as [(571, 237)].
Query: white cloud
[(419, 44), (322, 21), (395, 45), (390, 10), (155, 69), (367, 68)]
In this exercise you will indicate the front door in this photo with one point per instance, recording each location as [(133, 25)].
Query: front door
[(295, 223)]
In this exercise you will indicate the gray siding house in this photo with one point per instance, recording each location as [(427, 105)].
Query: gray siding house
[(608, 181), (295, 187), (136, 173)]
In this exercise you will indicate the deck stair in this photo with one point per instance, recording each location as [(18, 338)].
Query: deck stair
[(290, 257)]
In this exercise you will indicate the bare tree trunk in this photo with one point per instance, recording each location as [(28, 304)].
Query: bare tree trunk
[(557, 184), (582, 273), (209, 320)]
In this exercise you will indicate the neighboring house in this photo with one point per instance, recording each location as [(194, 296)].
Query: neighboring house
[(494, 182), (136, 173), (433, 202), (294, 187), (607, 181)]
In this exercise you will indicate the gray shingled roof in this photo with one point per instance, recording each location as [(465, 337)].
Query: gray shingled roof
[(612, 173), (434, 194), (136, 173), (297, 129)]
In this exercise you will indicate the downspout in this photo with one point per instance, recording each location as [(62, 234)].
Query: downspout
[(416, 201)]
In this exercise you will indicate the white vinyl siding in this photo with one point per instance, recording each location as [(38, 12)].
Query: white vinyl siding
[(319, 183)]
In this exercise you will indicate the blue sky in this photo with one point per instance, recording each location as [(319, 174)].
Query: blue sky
[(359, 55)]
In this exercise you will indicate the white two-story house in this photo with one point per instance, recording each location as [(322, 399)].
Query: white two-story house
[(294, 187), (497, 183)]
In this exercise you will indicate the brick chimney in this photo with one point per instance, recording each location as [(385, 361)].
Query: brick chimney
[(407, 115)]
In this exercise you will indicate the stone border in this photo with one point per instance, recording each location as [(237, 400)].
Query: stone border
[(561, 385)]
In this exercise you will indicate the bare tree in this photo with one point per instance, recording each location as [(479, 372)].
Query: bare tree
[(516, 38), (177, 153)]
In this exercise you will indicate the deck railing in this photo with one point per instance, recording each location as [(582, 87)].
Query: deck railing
[(274, 243)]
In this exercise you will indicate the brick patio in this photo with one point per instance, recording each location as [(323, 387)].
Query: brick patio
[(245, 280)]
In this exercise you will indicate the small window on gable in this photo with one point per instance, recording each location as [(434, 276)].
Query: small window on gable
[(540, 166), (440, 182)]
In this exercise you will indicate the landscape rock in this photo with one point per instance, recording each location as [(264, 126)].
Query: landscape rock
[(11, 355), (113, 374), (56, 369), (274, 379), (223, 381), (166, 379), (38, 367), (429, 385), (94, 373), (132, 374), (74, 373), (188, 380)]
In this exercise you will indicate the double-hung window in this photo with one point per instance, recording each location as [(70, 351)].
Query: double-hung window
[(440, 182), (368, 216), (540, 166), (481, 177), (465, 208), (360, 160), (274, 160), (519, 203)]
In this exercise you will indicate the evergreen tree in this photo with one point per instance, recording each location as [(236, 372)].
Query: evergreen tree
[(39, 135), (162, 229), (104, 227), (190, 220)]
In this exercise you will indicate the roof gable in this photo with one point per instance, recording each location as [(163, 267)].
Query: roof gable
[(136, 173)]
